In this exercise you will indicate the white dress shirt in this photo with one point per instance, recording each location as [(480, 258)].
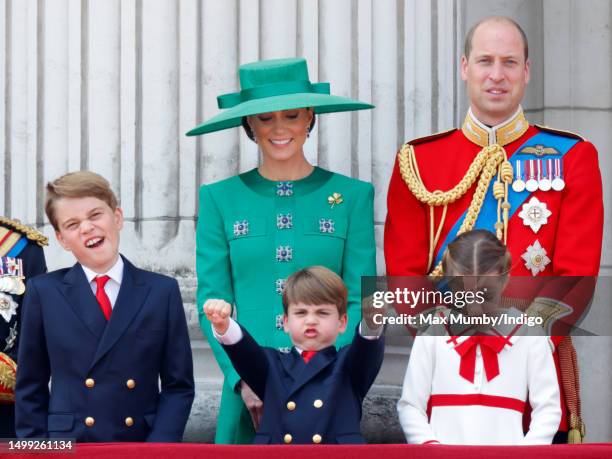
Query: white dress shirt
[(112, 285)]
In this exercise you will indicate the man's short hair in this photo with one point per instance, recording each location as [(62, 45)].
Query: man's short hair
[(467, 47), (315, 285), (80, 184)]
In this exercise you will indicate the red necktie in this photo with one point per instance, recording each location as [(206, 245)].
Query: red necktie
[(490, 346), (102, 297), (307, 355)]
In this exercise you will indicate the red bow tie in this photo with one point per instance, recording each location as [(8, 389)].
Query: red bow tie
[(307, 355), (490, 346)]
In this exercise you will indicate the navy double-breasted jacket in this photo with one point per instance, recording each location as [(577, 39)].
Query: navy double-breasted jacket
[(317, 402), (105, 376)]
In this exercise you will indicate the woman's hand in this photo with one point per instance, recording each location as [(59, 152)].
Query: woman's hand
[(252, 402), (218, 313)]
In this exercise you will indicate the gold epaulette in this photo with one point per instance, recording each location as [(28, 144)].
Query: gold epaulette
[(428, 138), (570, 134), (8, 370), (31, 233)]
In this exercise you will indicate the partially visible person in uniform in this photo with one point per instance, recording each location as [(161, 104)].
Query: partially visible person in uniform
[(22, 257), (538, 189), (111, 338), (313, 393), (257, 228)]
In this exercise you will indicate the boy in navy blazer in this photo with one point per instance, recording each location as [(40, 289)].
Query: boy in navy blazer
[(312, 393), (104, 332)]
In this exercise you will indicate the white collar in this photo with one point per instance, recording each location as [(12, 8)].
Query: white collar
[(115, 273)]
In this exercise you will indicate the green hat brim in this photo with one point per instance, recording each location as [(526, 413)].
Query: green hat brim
[(321, 103)]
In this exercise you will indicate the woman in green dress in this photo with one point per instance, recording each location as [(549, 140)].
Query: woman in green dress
[(257, 228)]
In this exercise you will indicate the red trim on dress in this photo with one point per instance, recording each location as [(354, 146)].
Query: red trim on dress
[(494, 401)]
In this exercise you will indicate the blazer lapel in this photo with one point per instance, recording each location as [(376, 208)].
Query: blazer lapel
[(292, 364), (318, 363), (132, 295), (81, 299)]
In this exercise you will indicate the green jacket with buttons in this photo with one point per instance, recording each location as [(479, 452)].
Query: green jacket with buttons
[(252, 234)]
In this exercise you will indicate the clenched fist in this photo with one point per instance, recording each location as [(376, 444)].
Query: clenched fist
[(368, 313), (218, 313)]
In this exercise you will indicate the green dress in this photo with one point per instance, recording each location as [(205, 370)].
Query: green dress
[(252, 234)]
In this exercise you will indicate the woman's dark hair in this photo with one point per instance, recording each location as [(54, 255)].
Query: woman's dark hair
[(249, 131), (476, 252)]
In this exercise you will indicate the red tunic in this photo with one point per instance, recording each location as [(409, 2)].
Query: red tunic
[(572, 236)]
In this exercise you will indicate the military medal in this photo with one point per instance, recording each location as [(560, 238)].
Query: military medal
[(11, 338), (535, 258), (13, 285), (6, 284), (20, 286), (558, 184), (8, 307), (518, 185), (11, 272), (535, 214), (532, 183), (546, 182)]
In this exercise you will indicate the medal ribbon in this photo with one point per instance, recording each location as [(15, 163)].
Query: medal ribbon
[(10, 266)]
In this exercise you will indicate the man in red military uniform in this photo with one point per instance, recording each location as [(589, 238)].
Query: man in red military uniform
[(539, 189)]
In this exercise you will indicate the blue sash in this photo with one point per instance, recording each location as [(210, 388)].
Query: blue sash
[(18, 247), (488, 213)]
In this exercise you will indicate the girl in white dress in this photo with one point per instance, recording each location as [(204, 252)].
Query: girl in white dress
[(472, 389)]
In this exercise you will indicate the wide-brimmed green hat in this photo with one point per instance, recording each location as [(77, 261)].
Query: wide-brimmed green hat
[(272, 85)]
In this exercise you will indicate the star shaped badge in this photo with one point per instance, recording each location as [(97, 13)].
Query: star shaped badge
[(535, 214), (535, 258), (8, 307)]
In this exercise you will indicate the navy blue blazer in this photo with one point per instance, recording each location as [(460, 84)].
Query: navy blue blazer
[(318, 402), (104, 376)]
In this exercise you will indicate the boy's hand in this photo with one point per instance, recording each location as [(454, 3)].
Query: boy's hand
[(218, 313), (368, 311)]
